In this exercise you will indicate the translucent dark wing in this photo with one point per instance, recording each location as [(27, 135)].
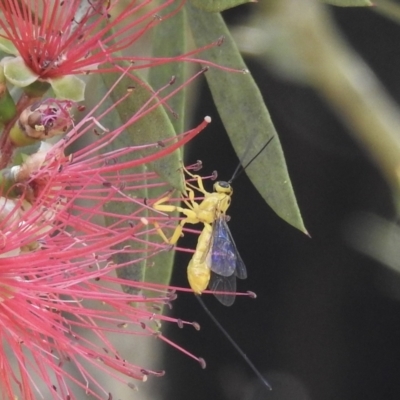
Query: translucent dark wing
[(225, 284), (225, 258), (241, 271), (223, 254)]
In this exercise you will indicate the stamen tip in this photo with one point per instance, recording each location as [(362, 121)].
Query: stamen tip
[(198, 166), (202, 362), (144, 221), (207, 119), (252, 295), (132, 386), (160, 143), (196, 325)]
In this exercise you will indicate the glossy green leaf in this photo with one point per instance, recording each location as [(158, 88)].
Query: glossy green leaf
[(8, 108), (218, 5), (155, 126), (152, 128), (134, 272), (169, 40), (246, 118), (160, 266), (349, 3)]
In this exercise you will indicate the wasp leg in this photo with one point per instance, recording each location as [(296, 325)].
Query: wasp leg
[(160, 206), (199, 179), (199, 187), (190, 203), (190, 214), (175, 236), (191, 218)]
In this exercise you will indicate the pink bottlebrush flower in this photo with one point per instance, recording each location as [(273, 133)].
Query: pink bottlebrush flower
[(56, 40), (57, 263)]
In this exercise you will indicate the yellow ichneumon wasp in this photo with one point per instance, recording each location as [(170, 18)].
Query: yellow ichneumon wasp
[(216, 262)]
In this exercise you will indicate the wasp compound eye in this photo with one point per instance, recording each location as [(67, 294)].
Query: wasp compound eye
[(223, 187)]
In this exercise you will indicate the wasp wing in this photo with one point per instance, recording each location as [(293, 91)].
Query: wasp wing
[(225, 258), (225, 263), (225, 285)]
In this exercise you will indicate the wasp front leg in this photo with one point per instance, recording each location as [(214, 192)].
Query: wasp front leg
[(190, 186), (174, 238), (190, 214), (160, 205)]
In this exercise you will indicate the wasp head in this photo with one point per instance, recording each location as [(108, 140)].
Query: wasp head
[(223, 187)]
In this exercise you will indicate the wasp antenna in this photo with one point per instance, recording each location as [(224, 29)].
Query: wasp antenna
[(234, 344), (237, 172)]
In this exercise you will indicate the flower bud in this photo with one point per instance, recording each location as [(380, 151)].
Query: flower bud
[(42, 120), (46, 119)]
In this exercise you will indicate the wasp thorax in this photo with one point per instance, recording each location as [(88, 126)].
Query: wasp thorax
[(223, 187)]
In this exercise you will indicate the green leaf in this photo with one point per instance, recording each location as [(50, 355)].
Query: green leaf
[(135, 271), (158, 268), (161, 269), (161, 265), (152, 128), (246, 118), (169, 40), (8, 108), (349, 3), (218, 5)]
